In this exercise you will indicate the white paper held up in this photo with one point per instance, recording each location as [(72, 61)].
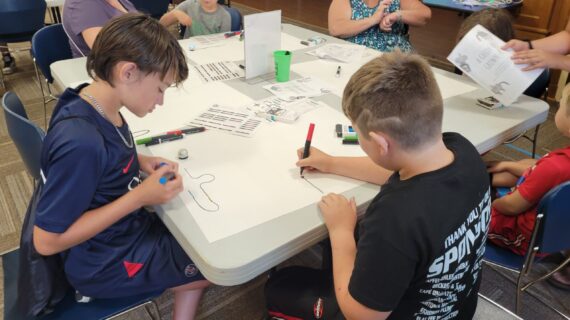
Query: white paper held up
[(479, 55)]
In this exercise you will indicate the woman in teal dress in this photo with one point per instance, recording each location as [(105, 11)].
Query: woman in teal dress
[(378, 24)]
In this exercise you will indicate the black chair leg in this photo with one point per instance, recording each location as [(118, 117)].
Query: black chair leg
[(534, 140)]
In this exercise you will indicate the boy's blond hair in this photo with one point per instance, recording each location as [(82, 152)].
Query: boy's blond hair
[(140, 39), (396, 94)]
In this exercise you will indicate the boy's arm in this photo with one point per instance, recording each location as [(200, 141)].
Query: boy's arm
[(176, 16), (516, 168), (360, 168), (512, 204), (340, 217), (94, 221)]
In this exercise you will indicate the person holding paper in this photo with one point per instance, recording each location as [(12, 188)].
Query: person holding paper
[(550, 52), (377, 24), (200, 17)]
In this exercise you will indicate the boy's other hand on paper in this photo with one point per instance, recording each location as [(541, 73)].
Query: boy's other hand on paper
[(338, 212), (152, 192), (317, 160)]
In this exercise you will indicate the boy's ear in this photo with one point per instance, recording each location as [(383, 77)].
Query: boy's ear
[(381, 141), (128, 72)]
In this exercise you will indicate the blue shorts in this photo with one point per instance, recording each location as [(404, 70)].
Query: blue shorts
[(167, 266)]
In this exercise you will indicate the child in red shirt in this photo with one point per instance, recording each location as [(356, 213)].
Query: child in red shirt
[(513, 215)]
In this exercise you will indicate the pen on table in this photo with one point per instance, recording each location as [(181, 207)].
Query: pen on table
[(163, 140), (170, 134), (308, 144), (156, 138), (187, 131), (338, 72), (231, 34)]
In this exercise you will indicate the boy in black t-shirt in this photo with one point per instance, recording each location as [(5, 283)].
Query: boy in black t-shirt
[(422, 238)]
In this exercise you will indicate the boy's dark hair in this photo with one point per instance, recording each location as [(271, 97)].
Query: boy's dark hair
[(498, 21), (397, 94), (140, 39)]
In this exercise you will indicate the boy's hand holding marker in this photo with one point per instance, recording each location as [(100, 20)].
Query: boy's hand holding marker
[(161, 186), (317, 160)]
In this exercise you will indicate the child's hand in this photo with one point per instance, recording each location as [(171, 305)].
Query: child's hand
[(338, 212), (152, 192), (317, 160), (498, 166), (151, 164)]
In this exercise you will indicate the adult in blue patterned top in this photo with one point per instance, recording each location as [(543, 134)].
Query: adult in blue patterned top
[(378, 24)]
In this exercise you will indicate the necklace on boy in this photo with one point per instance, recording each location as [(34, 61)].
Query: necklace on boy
[(129, 143)]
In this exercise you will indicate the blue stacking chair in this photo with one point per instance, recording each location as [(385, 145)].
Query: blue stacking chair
[(49, 44), (19, 20), (236, 18), (68, 308), (27, 136), (550, 235), (155, 8)]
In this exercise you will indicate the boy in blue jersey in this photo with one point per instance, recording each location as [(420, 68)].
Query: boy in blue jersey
[(92, 206)]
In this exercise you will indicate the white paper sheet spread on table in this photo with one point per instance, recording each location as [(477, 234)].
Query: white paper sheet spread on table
[(450, 87), (346, 53), (298, 89), (227, 120), (277, 109), (206, 41), (255, 180), (218, 71), (233, 49), (182, 107), (480, 56), (326, 70)]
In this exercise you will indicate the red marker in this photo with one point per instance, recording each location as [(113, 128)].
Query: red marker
[(308, 143), (187, 131)]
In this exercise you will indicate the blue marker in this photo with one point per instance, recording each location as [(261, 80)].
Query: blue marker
[(167, 177)]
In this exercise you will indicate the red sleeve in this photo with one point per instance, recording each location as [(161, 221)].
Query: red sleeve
[(547, 174)]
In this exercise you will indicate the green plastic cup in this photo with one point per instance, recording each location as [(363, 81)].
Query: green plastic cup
[(282, 65)]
